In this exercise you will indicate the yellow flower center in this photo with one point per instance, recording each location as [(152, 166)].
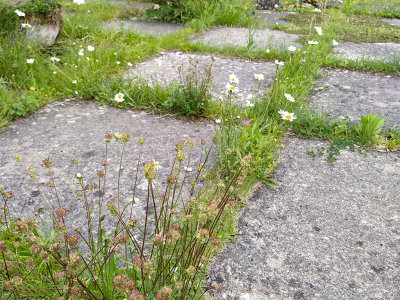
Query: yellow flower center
[(119, 96), (232, 88), (288, 117)]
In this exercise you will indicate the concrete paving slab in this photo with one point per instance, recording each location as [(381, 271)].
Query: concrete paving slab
[(234, 36), (354, 94), (164, 70), (144, 27), (274, 17), (66, 130), (326, 231), (394, 22), (372, 51)]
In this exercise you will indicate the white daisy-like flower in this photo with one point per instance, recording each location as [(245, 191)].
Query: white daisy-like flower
[(218, 121), (259, 76), (282, 111), (119, 97), (118, 62), (130, 64), (318, 29), (26, 25), (30, 60), (292, 48), (279, 63), (79, 2), (53, 58), (90, 48), (79, 175), (312, 42), (268, 51), (232, 88), (290, 98), (288, 116), (80, 53), (75, 82), (19, 13), (335, 43), (156, 164), (233, 78), (249, 104), (317, 10)]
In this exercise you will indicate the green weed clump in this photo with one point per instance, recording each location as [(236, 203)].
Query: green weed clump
[(163, 256)]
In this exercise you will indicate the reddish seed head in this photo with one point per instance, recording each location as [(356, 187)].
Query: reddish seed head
[(47, 162)]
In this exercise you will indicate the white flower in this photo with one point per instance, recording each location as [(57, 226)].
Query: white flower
[(259, 76), (119, 97), (238, 117), (53, 58), (130, 64), (26, 25), (76, 92), (115, 53), (279, 63), (74, 82), (156, 6), (79, 2), (317, 10), (287, 115), (118, 62), (189, 169), (19, 13), (276, 5), (221, 98), (318, 29), (292, 48), (218, 121), (79, 175), (231, 88), (268, 51), (156, 164), (80, 52), (87, 58), (233, 78), (289, 97), (30, 61), (90, 48), (335, 43), (312, 42), (54, 72), (89, 11), (249, 104)]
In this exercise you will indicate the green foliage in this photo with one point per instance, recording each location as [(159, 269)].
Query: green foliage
[(36, 10), (5, 105), (369, 128)]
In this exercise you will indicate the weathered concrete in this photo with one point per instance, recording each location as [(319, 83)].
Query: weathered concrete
[(164, 70), (143, 27), (45, 34), (354, 94), (274, 17), (66, 130), (371, 51), (233, 36), (394, 22), (326, 231)]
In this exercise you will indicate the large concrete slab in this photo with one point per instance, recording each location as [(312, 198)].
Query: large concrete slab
[(144, 27), (371, 51), (164, 70), (326, 231), (66, 130), (352, 93), (234, 36), (394, 22)]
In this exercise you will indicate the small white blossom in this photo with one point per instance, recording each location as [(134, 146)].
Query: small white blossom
[(279, 63), (233, 78), (79, 175), (231, 88), (156, 164), (80, 53), (129, 64), (74, 82), (289, 97), (79, 2), (317, 10), (26, 25), (268, 51), (119, 97), (335, 43), (90, 48), (76, 92), (54, 72), (249, 104), (218, 121), (318, 29), (53, 58), (188, 169), (118, 62), (292, 48), (287, 115), (19, 13), (30, 60), (259, 76), (312, 42), (87, 58)]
